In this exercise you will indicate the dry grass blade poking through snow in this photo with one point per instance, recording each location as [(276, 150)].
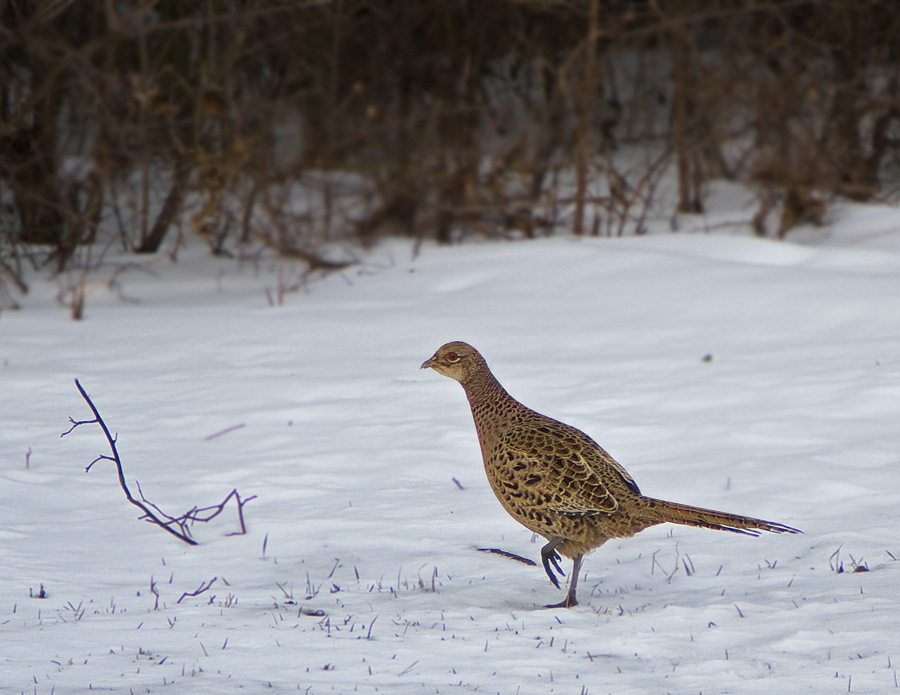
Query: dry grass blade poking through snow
[(178, 526)]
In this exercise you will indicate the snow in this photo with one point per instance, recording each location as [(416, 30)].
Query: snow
[(352, 453)]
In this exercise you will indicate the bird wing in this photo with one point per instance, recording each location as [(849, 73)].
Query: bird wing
[(565, 468), (602, 463)]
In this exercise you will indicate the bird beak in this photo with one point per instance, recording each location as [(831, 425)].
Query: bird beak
[(430, 362)]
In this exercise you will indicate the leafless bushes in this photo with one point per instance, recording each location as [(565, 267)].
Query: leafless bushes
[(307, 127)]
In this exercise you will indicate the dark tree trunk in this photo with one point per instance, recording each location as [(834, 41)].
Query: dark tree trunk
[(170, 209)]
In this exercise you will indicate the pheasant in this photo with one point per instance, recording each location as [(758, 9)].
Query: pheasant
[(558, 482)]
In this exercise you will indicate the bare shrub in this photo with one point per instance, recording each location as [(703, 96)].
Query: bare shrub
[(443, 118)]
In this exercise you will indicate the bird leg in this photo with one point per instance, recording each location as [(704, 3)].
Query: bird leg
[(573, 582), (549, 555)]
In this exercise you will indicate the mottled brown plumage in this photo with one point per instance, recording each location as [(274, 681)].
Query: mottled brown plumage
[(556, 481)]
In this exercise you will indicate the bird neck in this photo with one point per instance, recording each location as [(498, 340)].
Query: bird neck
[(492, 407), (483, 387)]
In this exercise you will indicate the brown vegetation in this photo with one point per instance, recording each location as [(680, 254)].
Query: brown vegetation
[(432, 118)]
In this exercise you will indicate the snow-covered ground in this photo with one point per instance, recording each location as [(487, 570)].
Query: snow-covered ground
[(360, 571)]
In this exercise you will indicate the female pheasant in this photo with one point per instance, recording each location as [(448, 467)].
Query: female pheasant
[(556, 481)]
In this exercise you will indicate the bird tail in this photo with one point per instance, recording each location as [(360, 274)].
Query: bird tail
[(661, 511)]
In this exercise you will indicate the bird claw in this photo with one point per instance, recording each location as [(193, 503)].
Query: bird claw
[(555, 558), (569, 602), (548, 557)]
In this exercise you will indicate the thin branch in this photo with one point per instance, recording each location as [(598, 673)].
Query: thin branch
[(148, 514), (177, 526), (511, 556), (225, 431), (200, 590)]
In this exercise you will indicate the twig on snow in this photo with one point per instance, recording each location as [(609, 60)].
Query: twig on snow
[(511, 556), (203, 587), (177, 526)]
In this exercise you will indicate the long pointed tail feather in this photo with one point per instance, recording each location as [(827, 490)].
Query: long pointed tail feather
[(674, 513)]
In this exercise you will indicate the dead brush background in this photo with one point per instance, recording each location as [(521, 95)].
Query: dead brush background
[(313, 127)]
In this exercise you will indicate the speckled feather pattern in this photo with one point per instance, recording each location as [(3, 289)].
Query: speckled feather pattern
[(556, 480)]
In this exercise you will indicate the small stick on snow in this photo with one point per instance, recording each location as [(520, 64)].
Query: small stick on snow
[(152, 513), (511, 556), (200, 590), (225, 431)]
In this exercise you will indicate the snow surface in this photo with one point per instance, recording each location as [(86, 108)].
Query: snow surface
[(352, 452)]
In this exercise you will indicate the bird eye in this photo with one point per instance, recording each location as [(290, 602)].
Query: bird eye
[(452, 357)]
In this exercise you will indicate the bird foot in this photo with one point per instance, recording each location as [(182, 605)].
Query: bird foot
[(569, 602), (548, 557)]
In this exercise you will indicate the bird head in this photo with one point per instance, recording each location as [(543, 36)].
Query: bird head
[(458, 360)]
